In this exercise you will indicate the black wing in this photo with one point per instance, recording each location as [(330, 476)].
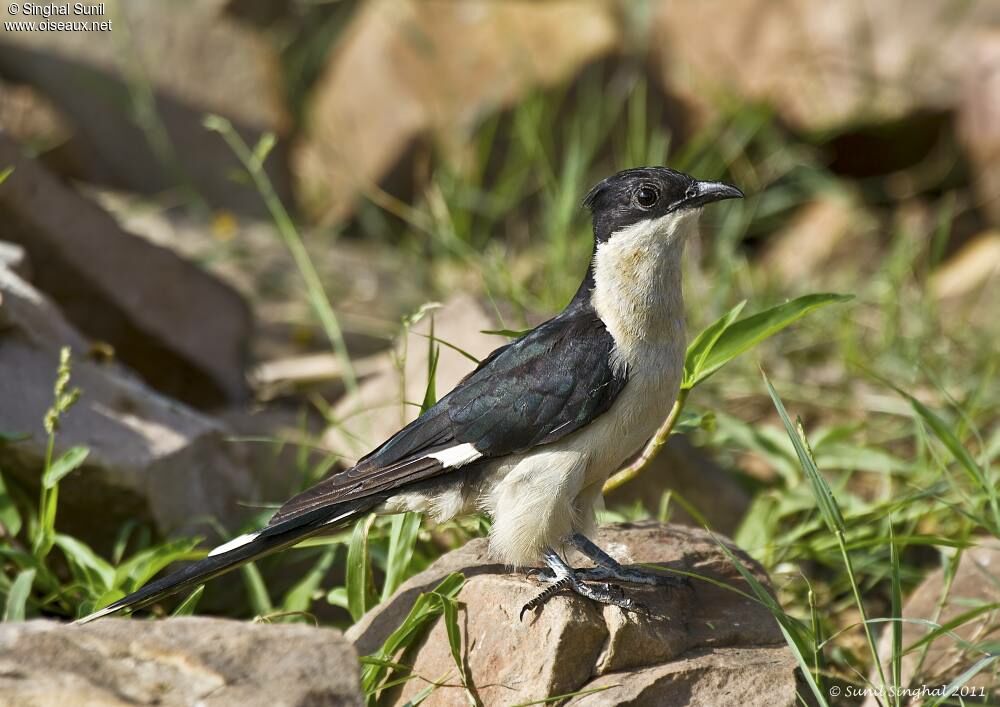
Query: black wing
[(550, 382)]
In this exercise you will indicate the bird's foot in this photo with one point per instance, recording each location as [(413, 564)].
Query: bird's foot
[(628, 575), (562, 577)]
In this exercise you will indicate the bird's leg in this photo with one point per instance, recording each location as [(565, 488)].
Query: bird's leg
[(565, 577), (608, 569)]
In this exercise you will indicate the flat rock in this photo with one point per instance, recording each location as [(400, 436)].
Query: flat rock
[(181, 64), (976, 583), (689, 642), (176, 663), (182, 330), (405, 70), (151, 458), (822, 65)]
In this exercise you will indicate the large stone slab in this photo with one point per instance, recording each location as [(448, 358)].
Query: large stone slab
[(176, 663), (405, 70), (686, 642), (151, 458), (823, 65), (136, 96), (184, 331)]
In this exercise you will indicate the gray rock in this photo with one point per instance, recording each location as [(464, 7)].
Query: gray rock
[(151, 458), (688, 643), (176, 663), (13, 257), (136, 96), (182, 330)]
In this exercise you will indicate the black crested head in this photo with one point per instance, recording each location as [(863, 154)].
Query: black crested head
[(644, 193)]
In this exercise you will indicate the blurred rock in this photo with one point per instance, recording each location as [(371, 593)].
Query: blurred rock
[(979, 118), (378, 409), (151, 458), (184, 331), (30, 118), (967, 285), (823, 232), (176, 663), (976, 584), (13, 257), (823, 65), (404, 69), (690, 642), (137, 95), (694, 476)]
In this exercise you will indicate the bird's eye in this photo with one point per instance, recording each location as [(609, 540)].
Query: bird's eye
[(647, 196)]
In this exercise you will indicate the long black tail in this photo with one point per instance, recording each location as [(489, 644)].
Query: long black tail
[(239, 551)]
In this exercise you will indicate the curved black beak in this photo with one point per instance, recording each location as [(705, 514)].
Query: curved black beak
[(707, 192)]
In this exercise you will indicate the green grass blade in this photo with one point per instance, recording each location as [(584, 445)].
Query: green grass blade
[(300, 597), (897, 615), (260, 600), (403, 534), (821, 490), (10, 517), (17, 598), (359, 572), (190, 603)]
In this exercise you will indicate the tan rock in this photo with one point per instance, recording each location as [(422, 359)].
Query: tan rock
[(686, 633), (151, 458), (976, 583), (829, 230), (968, 271), (29, 117), (756, 677), (979, 117), (176, 663), (390, 398), (822, 64), (405, 69), (184, 331), (171, 67)]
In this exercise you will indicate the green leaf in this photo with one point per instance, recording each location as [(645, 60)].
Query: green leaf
[(86, 563), (359, 573), (4, 173), (744, 334), (67, 462), (10, 517), (699, 349), (17, 598), (187, 607)]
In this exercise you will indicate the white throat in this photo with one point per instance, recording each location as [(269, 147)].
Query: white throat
[(637, 285)]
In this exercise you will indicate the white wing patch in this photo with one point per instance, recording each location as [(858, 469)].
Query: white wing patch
[(234, 543), (456, 456)]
